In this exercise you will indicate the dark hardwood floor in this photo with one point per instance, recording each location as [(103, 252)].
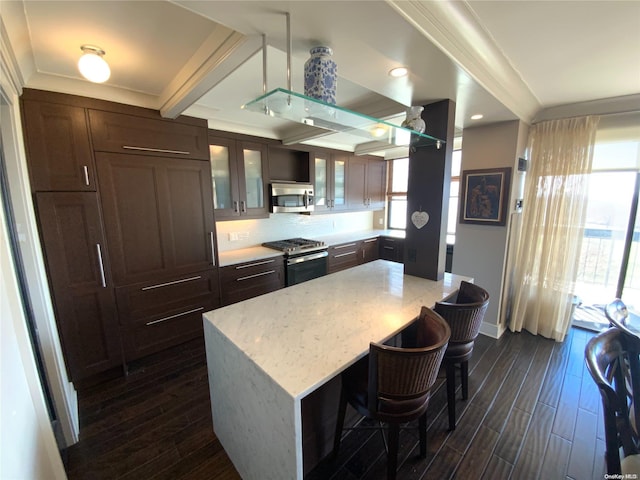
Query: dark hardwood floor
[(533, 413)]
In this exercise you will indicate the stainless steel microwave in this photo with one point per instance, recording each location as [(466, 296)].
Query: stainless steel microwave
[(291, 198)]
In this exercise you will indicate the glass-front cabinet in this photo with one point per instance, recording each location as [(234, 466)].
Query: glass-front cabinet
[(330, 182), (238, 175)]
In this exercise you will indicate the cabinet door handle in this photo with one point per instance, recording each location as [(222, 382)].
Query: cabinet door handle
[(103, 280), (344, 254), (239, 267), (235, 206), (164, 319), (243, 206), (156, 150), (248, 277), (166, 284), (212, 240), (346, 245), (85, 169), (388, 248)]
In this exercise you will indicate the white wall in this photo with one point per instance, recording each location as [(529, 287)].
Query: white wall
[(280, 226), (480, 250), (28, 448)]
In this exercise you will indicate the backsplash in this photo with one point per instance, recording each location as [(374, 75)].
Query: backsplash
[(280, 226)]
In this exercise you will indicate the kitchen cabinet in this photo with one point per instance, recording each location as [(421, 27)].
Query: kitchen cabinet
[(80, 279), (238, 172), (343, 256), (330, 182), (121, 133), (366, 183), (368, 250), (249, 279), (155, 315), (392, 249), (158, 216), (58, 147)]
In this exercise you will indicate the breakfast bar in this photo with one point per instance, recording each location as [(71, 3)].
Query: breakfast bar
[(266, 355)]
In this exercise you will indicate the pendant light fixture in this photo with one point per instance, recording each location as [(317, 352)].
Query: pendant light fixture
[(92, 66)]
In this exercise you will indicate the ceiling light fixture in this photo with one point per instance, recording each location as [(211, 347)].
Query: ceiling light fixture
[(477, 116), (399, 72), (92, 66)]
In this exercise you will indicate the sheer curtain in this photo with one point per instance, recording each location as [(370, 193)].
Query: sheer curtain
[(552, 224)]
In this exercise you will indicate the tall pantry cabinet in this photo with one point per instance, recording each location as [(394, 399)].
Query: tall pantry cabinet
[(125, 210)]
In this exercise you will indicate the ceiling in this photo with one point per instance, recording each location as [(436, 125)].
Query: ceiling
[(504, 59)]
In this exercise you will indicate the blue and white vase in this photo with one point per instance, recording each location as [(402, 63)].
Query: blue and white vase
[(321, 75)]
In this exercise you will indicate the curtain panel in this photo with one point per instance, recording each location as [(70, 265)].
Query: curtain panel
[(552, 226)]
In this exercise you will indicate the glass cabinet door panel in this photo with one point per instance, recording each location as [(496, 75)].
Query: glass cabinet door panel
[(339, 196), (253, 178), (321, 182), (221, 176)]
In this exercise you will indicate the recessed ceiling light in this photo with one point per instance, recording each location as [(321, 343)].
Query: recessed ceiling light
[(399, 72), (477, 116), (92, 66)]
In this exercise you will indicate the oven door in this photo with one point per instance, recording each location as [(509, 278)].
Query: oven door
[(306, 267)]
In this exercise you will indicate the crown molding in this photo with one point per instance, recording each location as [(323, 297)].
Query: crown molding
[(455, 29)]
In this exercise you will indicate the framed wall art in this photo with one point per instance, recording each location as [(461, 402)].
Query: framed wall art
[(484, 196)]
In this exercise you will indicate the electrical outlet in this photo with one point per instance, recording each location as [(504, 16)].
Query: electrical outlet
[(233, 236)]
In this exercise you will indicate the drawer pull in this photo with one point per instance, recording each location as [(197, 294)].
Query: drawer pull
[(255, 275), (238, 267), (369, 240), (151, 287), (344, 254), (157, 150), (164, 319), (345, 246), (389, 248)]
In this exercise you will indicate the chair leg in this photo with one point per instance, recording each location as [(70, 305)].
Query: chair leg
[(464, 376), (451, 394), (392, 456), (422, 425), (342, 409)]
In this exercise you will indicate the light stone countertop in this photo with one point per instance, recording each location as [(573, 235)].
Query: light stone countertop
[(303, 335), (250, 254)]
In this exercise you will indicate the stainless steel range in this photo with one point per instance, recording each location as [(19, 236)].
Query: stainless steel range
[(305, 259)]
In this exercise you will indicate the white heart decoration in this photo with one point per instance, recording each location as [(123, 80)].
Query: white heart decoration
[(419, 219)]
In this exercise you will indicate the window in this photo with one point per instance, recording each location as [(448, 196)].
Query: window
[(397, 194)]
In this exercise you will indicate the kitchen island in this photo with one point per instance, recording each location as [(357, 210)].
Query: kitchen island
[(268, 354)]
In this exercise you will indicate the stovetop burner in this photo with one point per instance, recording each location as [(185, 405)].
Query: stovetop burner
[(295, 245)]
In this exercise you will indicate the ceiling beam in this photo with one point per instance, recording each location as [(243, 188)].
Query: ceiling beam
[(222, 52)]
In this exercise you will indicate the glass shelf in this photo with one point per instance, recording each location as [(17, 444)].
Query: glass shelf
[(281, 103)]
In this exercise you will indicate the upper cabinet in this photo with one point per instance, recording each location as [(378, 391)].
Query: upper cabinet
[(366, 186), (238, 172), (121, 133), (58, 147), (330, 182)]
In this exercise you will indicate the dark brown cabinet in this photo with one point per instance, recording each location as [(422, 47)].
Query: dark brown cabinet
[(366, 185), (155, 315), (120, 133), (249, 279), (369, 250), (392, 249), (80, 280), (238, 170), (58, 147), (158, 216), (343, 256)]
